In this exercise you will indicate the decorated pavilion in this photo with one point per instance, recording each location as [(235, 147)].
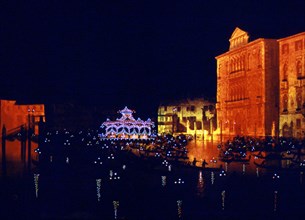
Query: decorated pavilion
[(127, 127)]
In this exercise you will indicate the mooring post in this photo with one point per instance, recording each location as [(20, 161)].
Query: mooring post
[(29, 147), (3, 150)]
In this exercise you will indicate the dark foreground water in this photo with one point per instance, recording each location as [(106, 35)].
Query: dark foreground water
[(68, 190)]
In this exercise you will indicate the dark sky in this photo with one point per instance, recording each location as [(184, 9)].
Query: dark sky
[(133, 53)]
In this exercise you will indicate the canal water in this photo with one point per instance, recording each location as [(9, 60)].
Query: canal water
[(146, 190)]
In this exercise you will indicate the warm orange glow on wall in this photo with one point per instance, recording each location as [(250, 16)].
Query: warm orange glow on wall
[(13, 115), (292, 82), (248, 87)]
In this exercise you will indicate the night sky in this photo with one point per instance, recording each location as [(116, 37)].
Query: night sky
[(134, 53)]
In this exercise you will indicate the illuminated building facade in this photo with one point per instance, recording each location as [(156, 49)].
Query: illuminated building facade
[(191, 116), (14, 115), (248, 87), (292, 85), (127, 127)]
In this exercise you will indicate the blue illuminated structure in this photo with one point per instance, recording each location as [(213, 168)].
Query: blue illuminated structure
[(127, 127)]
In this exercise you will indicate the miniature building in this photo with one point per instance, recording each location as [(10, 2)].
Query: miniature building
[(14, 115), (248, 87), (292, 85), (127, 127), (195, 117)]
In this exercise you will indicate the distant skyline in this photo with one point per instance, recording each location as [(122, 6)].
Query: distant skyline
[(132, 53)]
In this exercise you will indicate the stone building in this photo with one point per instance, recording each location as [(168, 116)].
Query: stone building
[(14, 115), (195, 117), (248, 87), (292, 85)]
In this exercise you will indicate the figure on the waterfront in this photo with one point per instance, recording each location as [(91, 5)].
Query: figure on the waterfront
[(204, 163), (194, 161)]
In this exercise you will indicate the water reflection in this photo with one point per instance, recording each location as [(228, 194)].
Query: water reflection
[(15, 165), (275, 200), (202, 150), (208, 151), (36, 182), (98, 189), (179, 208), (200, 185), (226, 193), (223, 197)]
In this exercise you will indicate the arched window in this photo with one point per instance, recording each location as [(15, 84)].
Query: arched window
[(231, 66), (299, 101), (237, 93), (237, 64), (285, 72), (299, 69), (285, 103), (259, 58), (243, 61)]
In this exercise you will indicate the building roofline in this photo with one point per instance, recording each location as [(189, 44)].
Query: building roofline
[(185, 101), (291, 36), (246, 45)]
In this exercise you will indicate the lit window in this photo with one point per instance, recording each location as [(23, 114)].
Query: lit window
[(299, 101), (285, 72), (285, 103), (198, 125), (285, 49), (298, 45), (299, 69)]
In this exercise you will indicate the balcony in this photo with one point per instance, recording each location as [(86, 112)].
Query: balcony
[(237, 74), (238, 102), (165, 123), (285, 111), (300, 82)]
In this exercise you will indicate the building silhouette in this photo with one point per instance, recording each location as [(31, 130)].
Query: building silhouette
[(15, 115), (292, 85), (195, 117), (261, 87), (248, 87)]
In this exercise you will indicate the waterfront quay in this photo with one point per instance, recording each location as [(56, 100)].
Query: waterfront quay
[(77, 175)]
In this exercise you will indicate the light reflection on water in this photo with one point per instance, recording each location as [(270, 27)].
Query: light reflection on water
[(15, 166), (199, 149), (208, 151), (202, 150), (200, 185)]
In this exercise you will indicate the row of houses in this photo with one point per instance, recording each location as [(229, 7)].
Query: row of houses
[(260, 92), (196, 117)]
